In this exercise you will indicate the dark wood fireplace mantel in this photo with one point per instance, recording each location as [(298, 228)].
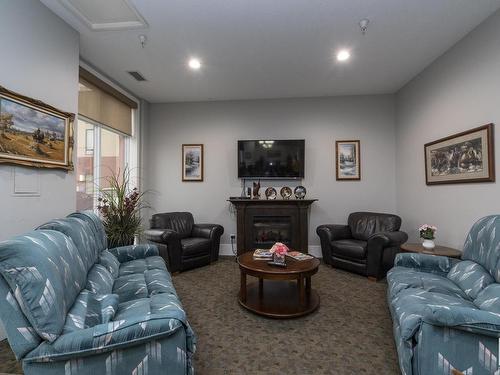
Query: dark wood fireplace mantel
[(261, 222)]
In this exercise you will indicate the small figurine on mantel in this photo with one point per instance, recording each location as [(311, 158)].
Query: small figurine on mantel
[(256, 190)]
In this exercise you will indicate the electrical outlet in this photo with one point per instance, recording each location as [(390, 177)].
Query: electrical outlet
[(233, 236)]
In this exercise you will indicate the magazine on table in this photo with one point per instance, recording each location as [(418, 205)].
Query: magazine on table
[(262, 254), (297, 255)]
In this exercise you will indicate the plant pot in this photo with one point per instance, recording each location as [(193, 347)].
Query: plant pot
[(280, 259), (428, 244)]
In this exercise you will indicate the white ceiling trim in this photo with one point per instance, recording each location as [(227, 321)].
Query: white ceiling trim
[(139, 23)]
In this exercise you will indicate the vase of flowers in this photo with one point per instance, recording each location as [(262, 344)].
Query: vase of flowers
[(428, 234), (119, 206), (279, 251)]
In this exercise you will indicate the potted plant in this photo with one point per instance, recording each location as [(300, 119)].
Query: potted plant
[(428, 233), (119, 206)]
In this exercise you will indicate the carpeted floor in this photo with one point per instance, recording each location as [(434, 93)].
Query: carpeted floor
[(351, 333)]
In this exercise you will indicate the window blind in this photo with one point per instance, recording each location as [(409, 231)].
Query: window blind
[(102, 103)]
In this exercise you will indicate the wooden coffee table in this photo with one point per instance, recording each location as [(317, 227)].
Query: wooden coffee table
[(280, 292), (438, 250)]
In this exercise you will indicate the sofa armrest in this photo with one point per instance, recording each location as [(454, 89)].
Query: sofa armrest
[(425, 263), (111, 336), (170, 244), (210, 231), (464, 318), (377, 244), (333, 232), (160, 235), (214, 233), (389, 238), (133, 252)]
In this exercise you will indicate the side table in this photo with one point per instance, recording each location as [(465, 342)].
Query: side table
[(438, 250)]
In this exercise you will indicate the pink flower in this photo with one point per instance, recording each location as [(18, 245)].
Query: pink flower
[(279, 248)]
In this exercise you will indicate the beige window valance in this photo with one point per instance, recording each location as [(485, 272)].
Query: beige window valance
[(104, 104)]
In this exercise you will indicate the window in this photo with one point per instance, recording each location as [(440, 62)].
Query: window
[(105, 142), (101, 152)]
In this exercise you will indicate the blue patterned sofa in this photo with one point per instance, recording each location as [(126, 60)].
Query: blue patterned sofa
[(72, 306), (446, 314)]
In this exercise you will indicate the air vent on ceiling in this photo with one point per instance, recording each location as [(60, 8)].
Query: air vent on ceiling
[(106, 15), (138, 76)]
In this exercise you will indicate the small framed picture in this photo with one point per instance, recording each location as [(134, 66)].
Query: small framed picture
[(462, 157), (192, 162), (348, 160)]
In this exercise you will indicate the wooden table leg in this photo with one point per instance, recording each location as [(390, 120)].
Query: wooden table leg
[(243, 287), (300, 283), (261, 287), (308, 288)]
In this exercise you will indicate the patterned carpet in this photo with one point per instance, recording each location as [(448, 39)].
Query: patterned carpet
[(350, 333)]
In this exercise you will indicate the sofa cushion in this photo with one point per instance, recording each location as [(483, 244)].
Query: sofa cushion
[(99, 280), (89, 310), (409, 306), (489, 298), (365, 224), (22, 336), (46, 273), (193, 246), (143, 285), (354, 249), (141, 265), (471, 277), (401, 278), (144, 307), (482, 244), (95, 223), (82, 235), (109, 261)]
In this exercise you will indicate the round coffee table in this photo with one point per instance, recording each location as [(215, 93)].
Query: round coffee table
[(438, 250), (276, 295)]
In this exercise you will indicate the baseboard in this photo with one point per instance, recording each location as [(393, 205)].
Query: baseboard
[(225, 250)]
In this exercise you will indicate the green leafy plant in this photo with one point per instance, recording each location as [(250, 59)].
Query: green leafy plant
[(120, 208)]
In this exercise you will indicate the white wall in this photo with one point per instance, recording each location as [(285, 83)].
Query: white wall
[(218, 125), (40, 55), (459, 91)]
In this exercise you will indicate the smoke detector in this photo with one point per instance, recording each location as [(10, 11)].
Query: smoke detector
[(363, 25)]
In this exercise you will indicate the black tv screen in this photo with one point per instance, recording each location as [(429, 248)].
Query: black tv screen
[(271, 159)]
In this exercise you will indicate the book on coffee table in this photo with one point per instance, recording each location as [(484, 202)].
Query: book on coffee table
[(262, 254), (297, 255)]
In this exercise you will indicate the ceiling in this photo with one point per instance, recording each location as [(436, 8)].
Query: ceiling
[(256, 49)]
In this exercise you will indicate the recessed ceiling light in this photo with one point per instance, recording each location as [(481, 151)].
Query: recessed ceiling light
[(343, 55), (194, 64)]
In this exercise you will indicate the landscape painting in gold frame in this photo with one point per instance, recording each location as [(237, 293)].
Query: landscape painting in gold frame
[(33, 133)]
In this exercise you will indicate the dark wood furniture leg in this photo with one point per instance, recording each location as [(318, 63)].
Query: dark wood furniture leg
[(261, 287), (308, 288), (300, 282)]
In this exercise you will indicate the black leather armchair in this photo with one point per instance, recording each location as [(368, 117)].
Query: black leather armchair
[(367, 245), (182, 243)]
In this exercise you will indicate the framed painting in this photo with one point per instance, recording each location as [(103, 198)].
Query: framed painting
[(33, 133), (192, 162), (463, 157), (348, 160)]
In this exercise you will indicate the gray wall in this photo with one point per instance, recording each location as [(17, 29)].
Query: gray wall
[(459, 91), (218, 125), (39, 59)]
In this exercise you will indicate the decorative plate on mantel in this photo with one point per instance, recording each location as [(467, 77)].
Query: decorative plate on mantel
[(271, 193), (286, 192), (300, 192)]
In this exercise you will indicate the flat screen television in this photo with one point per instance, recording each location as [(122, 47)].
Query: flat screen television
[(271, 159)]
